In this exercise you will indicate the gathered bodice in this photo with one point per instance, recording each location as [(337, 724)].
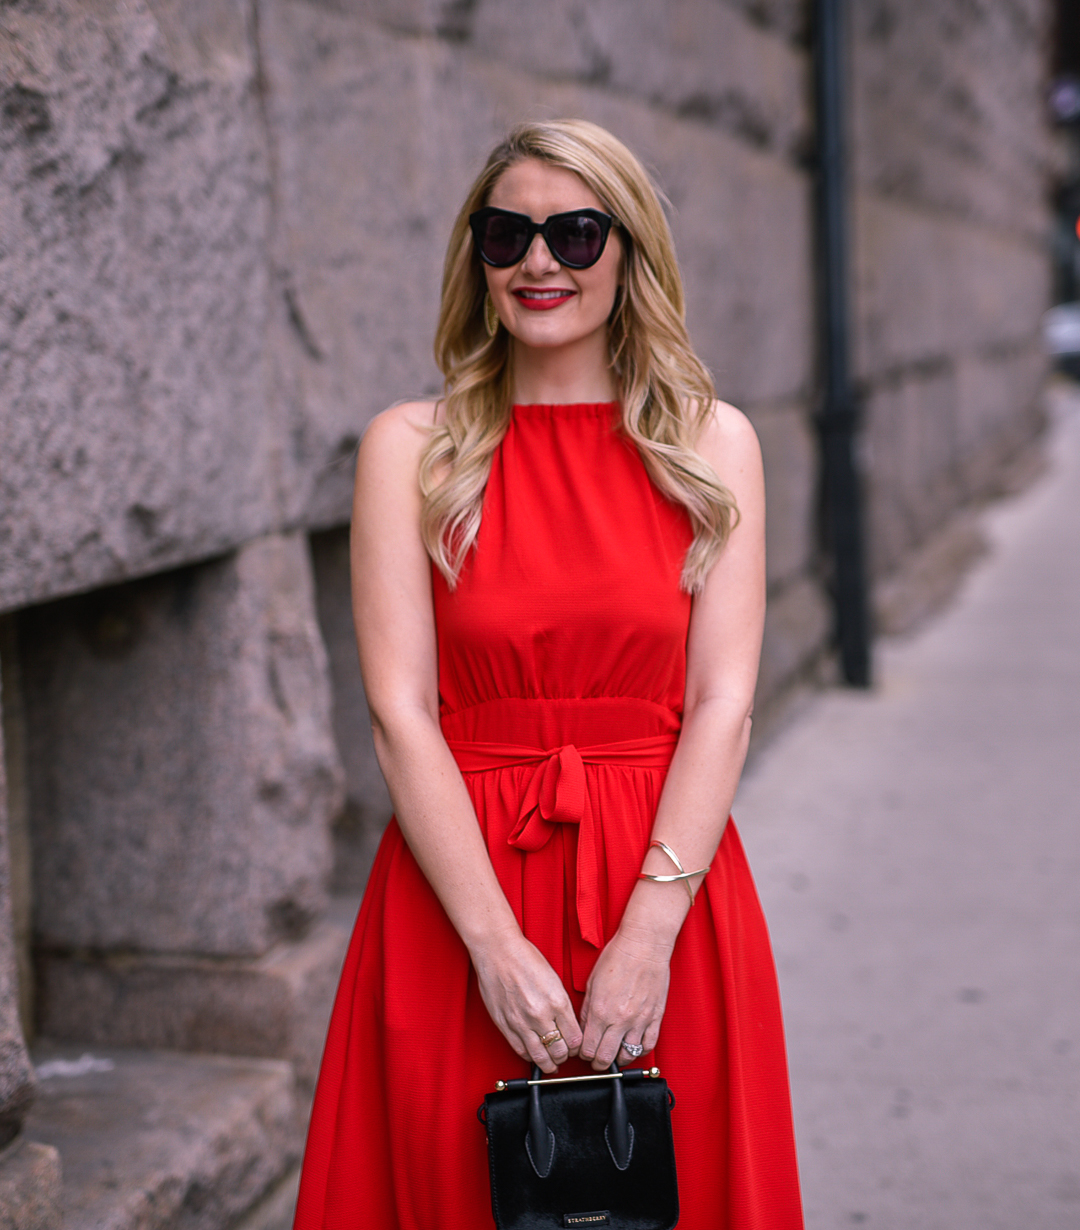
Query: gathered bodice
[(572, 589)]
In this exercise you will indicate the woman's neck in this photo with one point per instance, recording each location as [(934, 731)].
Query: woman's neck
[(564, 375)]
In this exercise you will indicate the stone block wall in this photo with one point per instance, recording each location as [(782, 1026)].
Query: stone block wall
[(136, 199), (360, 822), (222, 226), (182, 774), (182, 782), (951, 168), (29, 1171), (16, 1075)]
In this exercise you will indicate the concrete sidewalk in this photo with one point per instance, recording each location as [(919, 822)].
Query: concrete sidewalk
[(917, 850)]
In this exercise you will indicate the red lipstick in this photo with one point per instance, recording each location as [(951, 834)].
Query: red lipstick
[(539, 299)]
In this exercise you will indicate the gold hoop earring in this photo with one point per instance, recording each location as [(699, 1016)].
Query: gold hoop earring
[(491, 317)]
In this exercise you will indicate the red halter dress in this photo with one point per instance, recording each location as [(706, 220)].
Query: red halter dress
[(562, 662)]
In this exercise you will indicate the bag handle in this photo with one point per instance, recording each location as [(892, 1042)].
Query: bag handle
[(619, 1133), (540, 1140)]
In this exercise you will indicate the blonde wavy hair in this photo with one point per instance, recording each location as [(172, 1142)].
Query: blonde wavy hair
[(665, 391)]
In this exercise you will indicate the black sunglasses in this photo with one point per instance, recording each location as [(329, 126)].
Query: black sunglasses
[(576, 238)]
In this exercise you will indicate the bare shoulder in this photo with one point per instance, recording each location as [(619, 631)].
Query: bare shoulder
[(401, 429), (390, 573), (393, 442), (729, 442)]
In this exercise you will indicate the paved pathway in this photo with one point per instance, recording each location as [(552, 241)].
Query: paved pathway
[(918, 853)]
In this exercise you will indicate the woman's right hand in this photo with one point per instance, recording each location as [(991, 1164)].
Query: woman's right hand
[(526, 1000)]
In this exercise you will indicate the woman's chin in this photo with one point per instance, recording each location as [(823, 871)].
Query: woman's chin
[(555, 334)]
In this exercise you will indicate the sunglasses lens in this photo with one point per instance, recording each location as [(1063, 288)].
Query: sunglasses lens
[(504, 240), (577, 240)]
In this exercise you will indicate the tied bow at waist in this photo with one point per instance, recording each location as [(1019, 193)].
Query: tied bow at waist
[(556, 794)]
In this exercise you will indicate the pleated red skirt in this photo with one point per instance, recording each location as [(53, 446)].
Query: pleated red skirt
[(562, 657)]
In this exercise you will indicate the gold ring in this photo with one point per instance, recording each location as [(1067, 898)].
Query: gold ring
[(549, 1039)]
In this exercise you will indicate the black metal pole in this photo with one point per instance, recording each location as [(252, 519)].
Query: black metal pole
[(838, 414)]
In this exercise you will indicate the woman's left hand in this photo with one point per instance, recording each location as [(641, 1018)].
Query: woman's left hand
[(625, 998)]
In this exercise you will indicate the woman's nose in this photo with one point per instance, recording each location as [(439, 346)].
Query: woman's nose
[(538, 260)]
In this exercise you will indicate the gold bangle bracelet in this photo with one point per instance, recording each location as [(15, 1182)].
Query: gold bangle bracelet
[(683, 875)]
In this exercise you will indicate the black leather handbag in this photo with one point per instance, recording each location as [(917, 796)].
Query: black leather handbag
[(582, 1151)]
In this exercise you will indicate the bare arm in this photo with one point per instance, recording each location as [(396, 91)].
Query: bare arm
[(628, 988), (395, 630)]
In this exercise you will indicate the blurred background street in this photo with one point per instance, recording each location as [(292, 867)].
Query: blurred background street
[(916, 850)]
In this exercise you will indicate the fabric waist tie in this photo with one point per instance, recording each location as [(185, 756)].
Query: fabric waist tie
[(556, 794)]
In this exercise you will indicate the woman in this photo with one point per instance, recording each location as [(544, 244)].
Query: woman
[(559, 583)]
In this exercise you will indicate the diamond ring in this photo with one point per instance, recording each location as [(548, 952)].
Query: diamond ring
[(549, 1039), (634, 1049)]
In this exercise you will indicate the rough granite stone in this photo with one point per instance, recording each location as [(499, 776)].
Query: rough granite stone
[(911, 480), (996, 387), (446, 19), (277, 1210), (30, 1186), (709, 63), (350, 106), (16, 1075), (183, 770), (950, 157), (948, 108), (276, 1006), (929, 576), (788, 18), (134, 291), (460, 22), (929, 285), (153, 1140), (797, 624), (367, 802), (949, 360), (938, 436), (13, 728), (789, 451)]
